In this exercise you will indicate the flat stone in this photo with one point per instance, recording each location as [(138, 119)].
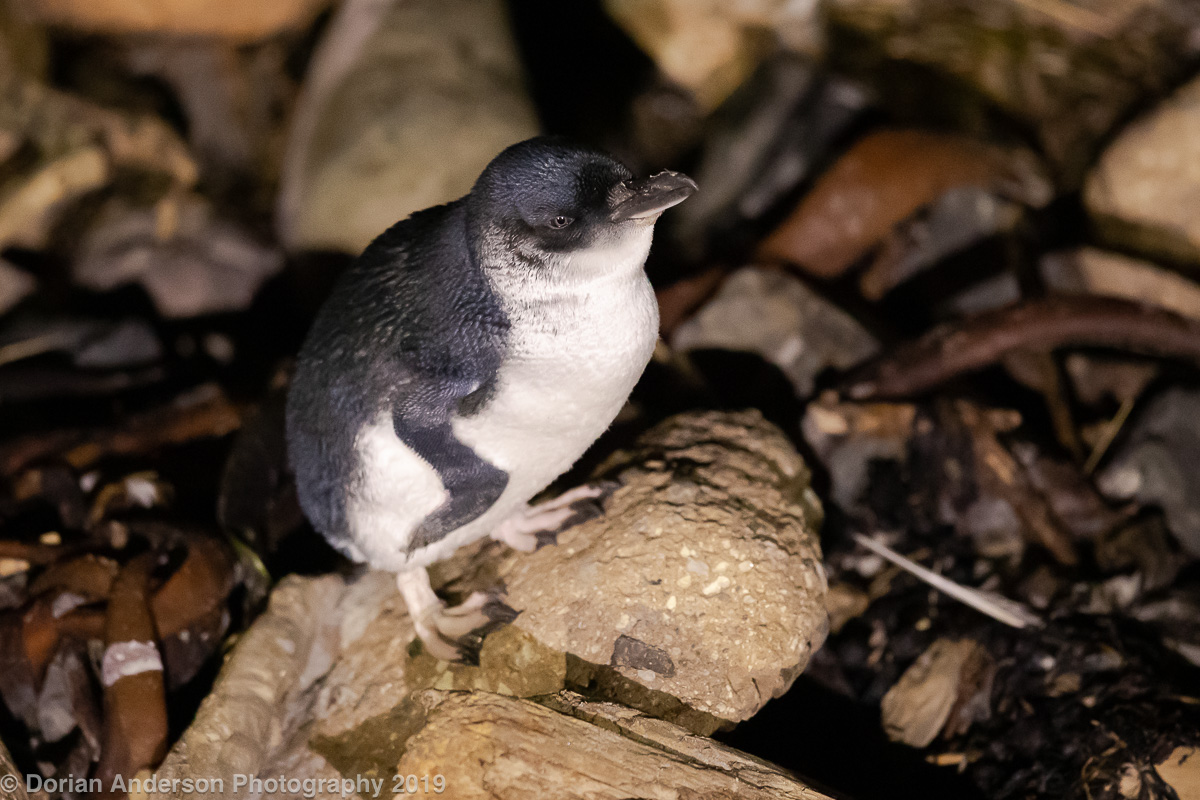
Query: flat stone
[(481, 746), (1156, 463), (778, 317)]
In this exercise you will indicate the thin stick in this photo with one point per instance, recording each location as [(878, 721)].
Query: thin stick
[(1110, 434), (998, 608)]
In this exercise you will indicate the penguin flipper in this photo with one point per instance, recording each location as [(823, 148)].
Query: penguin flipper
[(473, 484)]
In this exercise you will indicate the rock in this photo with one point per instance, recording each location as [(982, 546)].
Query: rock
[(1089, 270), (883, 179), (128, 343), (646, 605), (711, 47), (228, 18), (777, 316), (707, 601), (1144, 194), (404, 105), (1068, 71), (200, 264), (1156, 463), (15, 285), (959, 219)]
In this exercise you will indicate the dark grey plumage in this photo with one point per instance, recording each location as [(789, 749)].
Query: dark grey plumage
[(412, 327)]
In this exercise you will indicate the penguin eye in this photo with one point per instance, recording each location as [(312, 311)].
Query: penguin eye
[(560, 222)]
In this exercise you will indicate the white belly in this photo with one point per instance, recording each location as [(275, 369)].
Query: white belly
[(569, 366), (561, 388)]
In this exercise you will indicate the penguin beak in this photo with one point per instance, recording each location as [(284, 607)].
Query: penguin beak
[(644, 199)]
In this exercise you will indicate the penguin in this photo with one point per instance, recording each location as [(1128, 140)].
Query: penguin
[(469, 357)]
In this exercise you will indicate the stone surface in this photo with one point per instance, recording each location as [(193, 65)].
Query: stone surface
[(959, 219), (199, 264), (1089, 270), (1144, 193), (1156, 463), (647, 605), (403, 106), (777, 316), (1069, 71), (235, 19), (711, 46), (702, 583)]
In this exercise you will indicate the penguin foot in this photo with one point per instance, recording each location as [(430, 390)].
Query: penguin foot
[(537, 526), (451, 633)]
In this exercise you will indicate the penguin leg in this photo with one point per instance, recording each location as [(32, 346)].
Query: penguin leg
[(452, 633), (532, 527)]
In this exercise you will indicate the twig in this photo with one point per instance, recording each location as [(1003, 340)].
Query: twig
[(1047, 324), (1110, 434), (998, 608)]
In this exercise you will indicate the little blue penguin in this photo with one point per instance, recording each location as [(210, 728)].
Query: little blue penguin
[(469, 357)]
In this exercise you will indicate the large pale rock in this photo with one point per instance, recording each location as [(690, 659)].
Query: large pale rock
[(404, 105), (777, 316), (236, 19), (701, 585), (697, 597), (1145, 191)]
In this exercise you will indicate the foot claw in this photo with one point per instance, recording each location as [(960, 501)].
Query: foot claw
[(456, 633), (537, 526)]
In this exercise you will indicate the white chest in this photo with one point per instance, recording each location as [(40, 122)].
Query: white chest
[(575, 352)]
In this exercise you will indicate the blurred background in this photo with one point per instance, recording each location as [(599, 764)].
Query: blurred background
[(950, 247)]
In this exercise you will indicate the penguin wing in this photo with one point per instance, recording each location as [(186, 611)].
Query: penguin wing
[(422, 417)]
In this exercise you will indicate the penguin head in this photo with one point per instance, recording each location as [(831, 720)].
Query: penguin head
[(555, 201)]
